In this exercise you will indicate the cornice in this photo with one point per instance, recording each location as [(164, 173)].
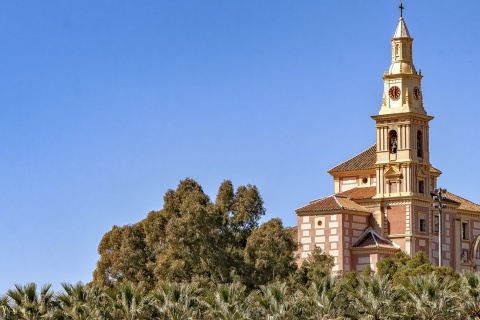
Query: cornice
[(373, 249), (395, 116)]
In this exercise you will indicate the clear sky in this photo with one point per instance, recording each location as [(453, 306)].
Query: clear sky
[(104, 105)]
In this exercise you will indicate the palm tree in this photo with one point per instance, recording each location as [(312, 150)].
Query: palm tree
[(429, 298), (324, 297), (75, 302), (130, 302), (375, 298), (5, 309), (274, 302), (28, 305), (471, 294), (173, 301), (228, 303)]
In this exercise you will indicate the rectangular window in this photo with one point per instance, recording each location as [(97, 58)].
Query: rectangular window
[(422, 225), (420, 187), (435, 223), (465, 231)]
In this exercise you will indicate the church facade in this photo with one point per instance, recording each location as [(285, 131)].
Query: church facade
[(382, 201)]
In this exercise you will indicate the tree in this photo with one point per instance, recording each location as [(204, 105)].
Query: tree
[(75, 302), (130, 302), (190, 238), (173, 301), (274, 302), (325, 298), (269, 253), (471, 294), (402, 266), (27, 304), (228, 302), (429, 297), (124, 257), (375, 298), (316, 266), (6, 311)]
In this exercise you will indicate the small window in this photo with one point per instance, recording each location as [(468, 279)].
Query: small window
[(436, 226), (465, 231), (392, 141), (422, 225), (421, 188), (419, 144)]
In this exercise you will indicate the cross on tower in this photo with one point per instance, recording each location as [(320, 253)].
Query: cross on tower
[(401, 8)]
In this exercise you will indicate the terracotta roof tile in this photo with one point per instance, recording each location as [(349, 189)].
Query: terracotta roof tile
[(362, 161), (332, 203), (464, 203), (365, 160), (359, 193), (371, 239)]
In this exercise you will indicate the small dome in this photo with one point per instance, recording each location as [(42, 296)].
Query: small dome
[(400, 67)]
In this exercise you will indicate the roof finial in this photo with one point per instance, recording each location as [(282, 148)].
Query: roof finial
[(401, 9)]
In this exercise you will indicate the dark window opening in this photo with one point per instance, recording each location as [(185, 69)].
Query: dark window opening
[(392, 141), (419, 144), (464, 230), (422, 225), (436, 224), (421, 187)]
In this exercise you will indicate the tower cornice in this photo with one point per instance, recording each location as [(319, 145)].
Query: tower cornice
[(396, 116)]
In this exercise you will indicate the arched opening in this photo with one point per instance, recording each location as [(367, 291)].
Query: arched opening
[(392, 141), (419, 144)]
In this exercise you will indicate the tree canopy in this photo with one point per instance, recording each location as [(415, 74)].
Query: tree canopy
[(192, 237)]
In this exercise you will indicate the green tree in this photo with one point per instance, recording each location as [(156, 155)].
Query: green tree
[(190, 238), (275, 302), (471, 294), (269, 253), (324, 297), (228, 302), (375, 298), (429, 297), (130, 302), (173, 301), (27, 304), (124, 257), (402, 266), (6, 311), (75, 302), (316, 266)]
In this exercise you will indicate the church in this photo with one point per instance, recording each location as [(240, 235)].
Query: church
[(383, 199)]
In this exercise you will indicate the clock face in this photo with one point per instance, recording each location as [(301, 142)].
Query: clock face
[(416, 93), (394, 92)]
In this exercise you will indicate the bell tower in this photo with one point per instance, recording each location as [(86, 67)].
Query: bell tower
[(402, 166), (402, 129)]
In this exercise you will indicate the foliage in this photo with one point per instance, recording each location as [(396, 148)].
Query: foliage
[(316, 266), (190, 238), (329, 297), (403, 266), (269, 253)]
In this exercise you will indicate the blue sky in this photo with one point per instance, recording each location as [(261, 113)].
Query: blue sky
[(107, 104)]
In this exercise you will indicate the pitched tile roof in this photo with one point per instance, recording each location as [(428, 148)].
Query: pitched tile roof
[(332, 203), (371, 239), (464, 203), (365, 160), (362, 161), (359, 193)]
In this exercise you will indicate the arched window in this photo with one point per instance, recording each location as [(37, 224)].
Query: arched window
[(419, 144), (392, 141)]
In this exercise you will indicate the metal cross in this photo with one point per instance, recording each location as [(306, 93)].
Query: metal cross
[(401, 8)]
